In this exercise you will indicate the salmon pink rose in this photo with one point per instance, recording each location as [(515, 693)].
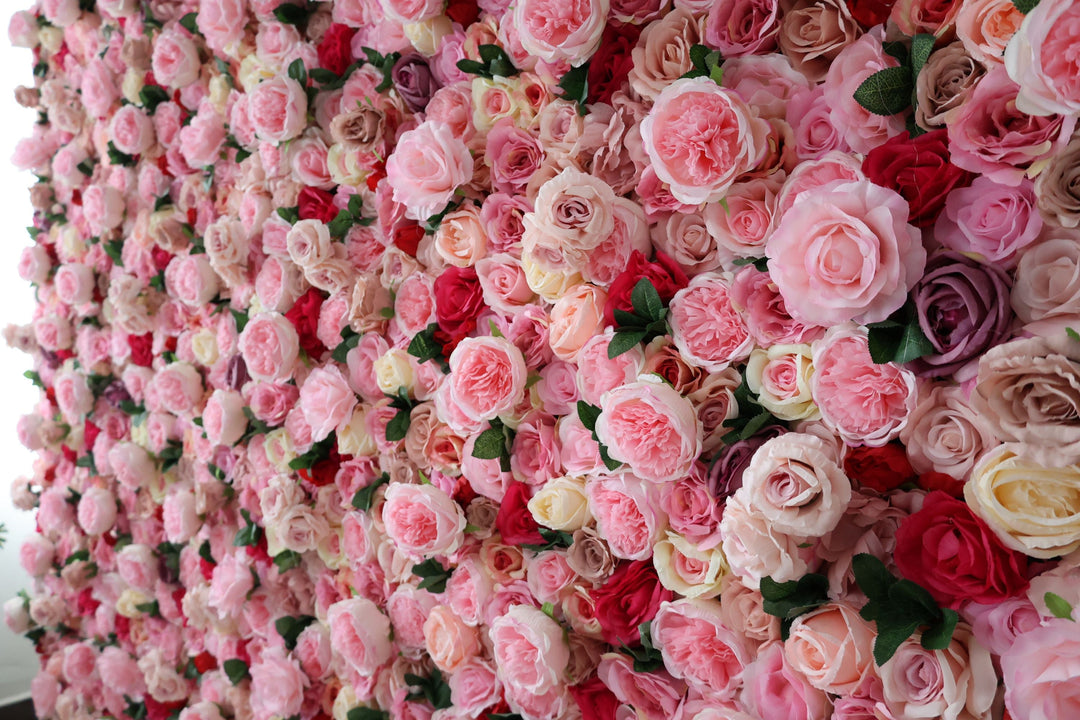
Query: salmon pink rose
[(845, 252), (487, 377), (832, 648), (429, 163), (326, 400), (270, 347), (560, 30), (1041, 58), (700, 138), (530, 650), (650, 427), (423, 520)]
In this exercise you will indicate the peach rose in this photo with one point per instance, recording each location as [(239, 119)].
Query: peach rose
[(833, 647), (576, 317), (450, 642)]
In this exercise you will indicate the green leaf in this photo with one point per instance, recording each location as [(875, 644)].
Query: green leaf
[(921, 47), (588, 415), (889, 639), (33, 377), (898, 50), (575, 86), (939, 635), (290, 215), (1073, 335), (366, 713), (433, 689), (490, 444), (364, 497), (86, 167), (1025, 6), (791, 599), (872, 577), (398, 426), (888, 343), (322, 76), (249, 534), (291, 14), (473, 67), (1058, 606), (205, 553), (188, 23), (497, 61), (646, 301), (149, 608), (432, 574), (914, 601), (287, 560), (340, 225), (423, 346), (118, 158), (626, 320), (298, 72), (289, 628), (625, 340), (761, 263), (318, 452), (886, 92), (236, 670), (698, 53), (553, 540)]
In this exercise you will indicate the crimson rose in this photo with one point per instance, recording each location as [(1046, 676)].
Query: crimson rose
[(631, 596), (316, 204), (515, 522), (664, 273), (335, 50), (880, 469), (459, 300)]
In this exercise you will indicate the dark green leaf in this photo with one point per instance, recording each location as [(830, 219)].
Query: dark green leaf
[(249, 534), (298, 72), (188, 23), (398, 426), (497, 61), (365, 713), (1058, 606), (290, 215), (341, 352), (113, 249), (473, 67), (790, 599), (626, 320), (80, 556), (365, 496), (1025, 6), (236, 670), (588, 415), (762, 263), (921, 47), (318, 452), (625, 340), (340, 225), (287, 560), (289, 628), (575, 86), (939, 634), (698, 53), (872, 577), (205, 553), (322, 76), (609, 462), (118, 158), (914, 601), (646, 301), (896, 49), (149, 608), (136, 710), (886, 92), (432, 574), (291, 14), (889, 639), (86, 167), (490, 444), (423, 346), (191, 672)]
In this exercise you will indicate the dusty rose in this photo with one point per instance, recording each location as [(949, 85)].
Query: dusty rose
[(652, 428), (1040, 60), (700, 137), (944, 83), (560, 32), (423, 520), (812, 34), (1046, 295), (487, 376), (845, 252), (429, 163), (705, 326), (944, 434), (1058, 187), (573, 213), (743, 27), (958, 682), (662, 54)]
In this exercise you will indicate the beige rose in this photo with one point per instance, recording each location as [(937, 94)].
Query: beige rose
[(814, 32), (662, 54), (833, 647), (944, 434), (359, 129), (589, 556), (573, 214), (685, 569), (561, 504), (944, 83), (450, 642), (1058, 187), (548, 284), (1029, 390), (393, 371), (353, 437), (780, 376), (1033, 508), (1046, 292)]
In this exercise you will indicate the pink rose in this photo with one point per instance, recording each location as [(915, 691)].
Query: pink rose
[(502, 278), (700, 138), (697, 647), (79, 663), (412, 10), (97, 511), (513, 154), (487, 377), (222, 23), (864, 402), (407, 608), (44, 691), (98, 89), (450, 642), (1040, 58), (278, 109), (326, 400), (180, 518), (861, 129), (138, 566), (1038, 682), (74, 283), (474, 687), (36, 555), (423, 520), (201, 140), (179, 387), (119, 671), (176, 59), (651, 427), (359, 635), (429, 163), (34, 264), (223, 417), (993, 220), (103, 207), (627, 514), (230, 584), (743, 27), (845, 252), (957, 682), (270, 347), (755, 550), (23, 29), (529, 649), (773, 690), (557, 31), (277, 685), (686, 239), (576, 317), (132, 130), (705, 326), (654, 695), (191, 280), (833, 648)]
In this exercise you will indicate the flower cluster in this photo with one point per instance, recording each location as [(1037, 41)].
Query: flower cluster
[(553, 359)]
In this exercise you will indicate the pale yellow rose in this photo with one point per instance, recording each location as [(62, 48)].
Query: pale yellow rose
[(393, 371), (127, 602), (279, 449), (353, 438), (548, 284), (780, 377), (684, 569), (426, 35), (561, 504), (204, 346)]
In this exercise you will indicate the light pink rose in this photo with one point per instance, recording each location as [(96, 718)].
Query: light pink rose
[(429, 163), (270, 347), (861, 129), (474, 687), (103, 207), (180, 388), (487, 377), (1040, 58), (651, 427), (222, 23), (993, 220), (98, 88), (755, 550), (79, 663), (34, 264), (119, 671), (845, 252), (411, 10), (774, 690), (74, 283), (573, 214), (743, 27), (44, 691), (278, 109), (864, 402), (132, 130), (313, 650), (450, 642), (180, 518), (359, 634), (176, 59), (131, 464), (223, 417), (807, 113), (423, 520), (230, 584), (503, 280), (529, 649), (202, 139), (654, 695), (576, 317), (97, 511), (627, 514), (191, 280), (697, 647), (308, 242), (36, 555), (205, 710), (1040, 682), (138, 566), (700, 138), (833, 648), (277, 685), (23, 29), (407, 608), (957, 682), (326, 400), (796, 483), (558, 31), (705, 326), (73, 394)]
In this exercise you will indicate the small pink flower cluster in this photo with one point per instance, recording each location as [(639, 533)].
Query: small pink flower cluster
[(553, 359)]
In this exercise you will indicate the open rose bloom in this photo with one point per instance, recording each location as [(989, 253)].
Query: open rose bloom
[(551, 359)]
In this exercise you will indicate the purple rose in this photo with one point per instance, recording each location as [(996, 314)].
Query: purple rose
[(414, 82), (963, 308)]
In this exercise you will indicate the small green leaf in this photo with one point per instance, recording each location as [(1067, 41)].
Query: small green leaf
[(1025, 6), (921, 47), (761, 264), (287, 560), (322, 76), (340, 225), (575, 86), (1073, 335), (889, 639), (1058, 606), (939, 634), (298, 72), (625, 340), (872, 577), (423, 346), (205, 553), (188, 22), (290, 215), (366, 713), (364, 497), (149, 608), (886, 92), (646, 301), (291, 14), (151, 96), (289, 628), (588, 415), (432, 574), (236, 670), (490, 444), (118, 158), (86, 167), (398, 426)]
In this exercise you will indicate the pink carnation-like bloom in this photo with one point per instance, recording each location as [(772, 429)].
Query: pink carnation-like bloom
[(529, 650), (650, 427), (423, 520), (699, 648), (278, 109), (705, 326), (270, 347), (845, 251), (487, 377), (359, 634), (700, 138), (560, 30)]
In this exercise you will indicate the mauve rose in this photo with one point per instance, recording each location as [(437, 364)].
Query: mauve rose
[(662, 54), (944, 434), (1039, 672), (954, 683), (944, 83), (743, 27), (990, 219), (414, 81), (812, 34), (960, 305), (1041, 59), (1058, 187), (1046, 294)]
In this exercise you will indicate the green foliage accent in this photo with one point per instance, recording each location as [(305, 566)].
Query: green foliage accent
[(789, 600), (706, 64), (432, 574), (249, 534), (433, 689), (898, 339), (493, 62), (588, 415), (289, 628), (647, 658), (494, 444), (647, 321), (236, 670), (318, 452), (384, 64), (1059, 606)]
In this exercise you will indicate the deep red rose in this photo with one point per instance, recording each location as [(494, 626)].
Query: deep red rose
[(631, 596), (459, 299), (880, 469), (204, 662), (162, 711), (90, 433), (316, 204), (463, 12), (304, 315), (515, 522), (407, 237), (142, 349), (594, 699), (666, 276), (162, 258), (335, 50), (870, 12), (947, 484), (611, 62), (951, 552), (324, 471), (918, 169)]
